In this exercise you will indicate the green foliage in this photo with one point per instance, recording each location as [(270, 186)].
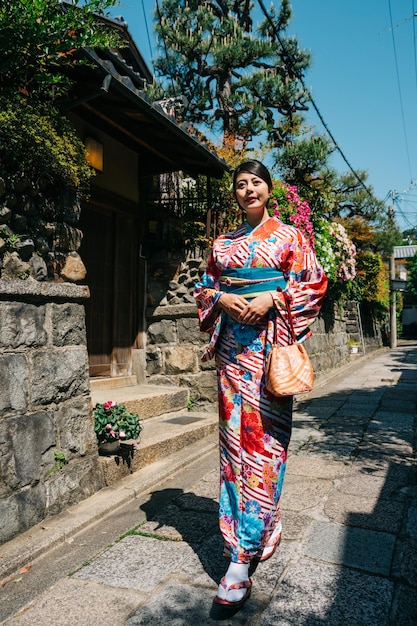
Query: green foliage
[(41, 147), (412, 277), (305, 163), (236, 78), (372, 276), (60, 461), (11, 240), (40, 42), (113, 422)]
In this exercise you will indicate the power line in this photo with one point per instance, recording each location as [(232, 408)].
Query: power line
[(158, 11), (146, 27), (310, 97), (414, 40), (399, 89)]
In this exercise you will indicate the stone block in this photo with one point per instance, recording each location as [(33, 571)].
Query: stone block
[(409, 561), (21, 511), (315, 593), (74, 269), (189, 332), (180, 359), (75, 426), (74, 482), (113, 469), (14, 378), (163, 331), (13, 266), (59, 374), (22, 325), (203, 386), (68, 324), (358, 548), (26, 449), (153, 361), (67, 238)]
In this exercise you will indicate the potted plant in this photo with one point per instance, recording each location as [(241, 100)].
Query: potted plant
[(353, 346), (117, 430)]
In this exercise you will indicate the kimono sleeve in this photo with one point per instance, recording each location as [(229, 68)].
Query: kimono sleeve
[(206, 293), (306, 284)]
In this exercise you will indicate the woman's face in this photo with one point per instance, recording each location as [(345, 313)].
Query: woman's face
[(252, 193)]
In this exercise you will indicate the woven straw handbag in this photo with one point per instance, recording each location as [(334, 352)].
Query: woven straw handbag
[(288, 368)]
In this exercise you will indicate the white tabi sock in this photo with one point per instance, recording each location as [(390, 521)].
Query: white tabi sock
[(236, 573)]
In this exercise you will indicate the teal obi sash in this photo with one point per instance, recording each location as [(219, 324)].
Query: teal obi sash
[(249, 282)]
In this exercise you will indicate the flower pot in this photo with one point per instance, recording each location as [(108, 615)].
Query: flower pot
[(124, 449), (109, 448)]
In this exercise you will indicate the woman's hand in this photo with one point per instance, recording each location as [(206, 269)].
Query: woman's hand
[(255, 311), (232, 304)]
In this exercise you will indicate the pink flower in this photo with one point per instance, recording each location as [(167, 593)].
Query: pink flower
[(109, 404), (108, 427), (122, 434)]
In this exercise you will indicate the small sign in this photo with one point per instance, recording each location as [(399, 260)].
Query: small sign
[(398, 285)]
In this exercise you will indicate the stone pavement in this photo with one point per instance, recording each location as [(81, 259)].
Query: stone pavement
[(349, 508)]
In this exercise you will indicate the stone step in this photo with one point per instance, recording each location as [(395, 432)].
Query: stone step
[(145, 400), (163, 435), (98, 383)]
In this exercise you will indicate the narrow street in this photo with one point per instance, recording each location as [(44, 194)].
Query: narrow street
[(349, 553)]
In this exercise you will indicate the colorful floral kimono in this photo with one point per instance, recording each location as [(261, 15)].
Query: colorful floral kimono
[(255, 426)]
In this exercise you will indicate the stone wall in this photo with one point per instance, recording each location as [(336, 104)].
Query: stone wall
[(175, 344), (45, 407), (50, 214)]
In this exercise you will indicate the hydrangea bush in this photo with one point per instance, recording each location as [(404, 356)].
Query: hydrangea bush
[(335, 251)]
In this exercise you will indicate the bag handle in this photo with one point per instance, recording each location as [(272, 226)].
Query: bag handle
[(289, 316)]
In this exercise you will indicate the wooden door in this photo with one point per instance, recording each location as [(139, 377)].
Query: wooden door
[(108, 252)]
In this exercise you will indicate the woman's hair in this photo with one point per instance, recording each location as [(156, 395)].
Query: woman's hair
[(253, 167)]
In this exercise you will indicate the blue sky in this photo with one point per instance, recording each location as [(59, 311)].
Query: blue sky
[(363, 79)]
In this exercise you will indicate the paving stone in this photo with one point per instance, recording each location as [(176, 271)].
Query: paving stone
[(316, 594), (298, 465), (367, 550), (326, 451), (176, 524), (77, 602), (395, 419), (386, 483), (395, 452), (184, 605), (365, 512), (378, 434), (206, 565), (409, 561), (294, 525), (412, 522), (406, 613), (194, 502), (136, 562), (301, 493)]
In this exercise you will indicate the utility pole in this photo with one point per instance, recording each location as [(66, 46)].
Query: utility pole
[(393, 307)]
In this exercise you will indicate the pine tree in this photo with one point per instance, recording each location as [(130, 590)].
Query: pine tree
[(237, 78)]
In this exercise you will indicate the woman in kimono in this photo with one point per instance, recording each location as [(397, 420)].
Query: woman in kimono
[(251, 273)]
